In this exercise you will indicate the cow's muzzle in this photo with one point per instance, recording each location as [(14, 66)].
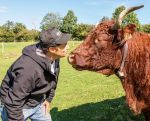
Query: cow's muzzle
[(71, 59)]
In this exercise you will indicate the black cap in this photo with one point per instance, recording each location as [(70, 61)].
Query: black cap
[(53, 37)]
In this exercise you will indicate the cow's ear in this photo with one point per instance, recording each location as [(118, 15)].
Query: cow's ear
[(131, 28), (128, 31), (124, 34)]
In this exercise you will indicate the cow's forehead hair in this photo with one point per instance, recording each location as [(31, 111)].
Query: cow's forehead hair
[(102, 28), (105, 25)]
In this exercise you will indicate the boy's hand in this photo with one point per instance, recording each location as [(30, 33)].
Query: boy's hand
[(47, 106)]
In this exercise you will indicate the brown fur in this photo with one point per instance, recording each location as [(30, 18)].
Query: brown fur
[(101, 52)]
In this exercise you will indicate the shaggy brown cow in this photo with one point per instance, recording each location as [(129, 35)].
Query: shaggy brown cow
[(110, 49)]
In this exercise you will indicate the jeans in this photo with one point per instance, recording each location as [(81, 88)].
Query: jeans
[(37, 113)]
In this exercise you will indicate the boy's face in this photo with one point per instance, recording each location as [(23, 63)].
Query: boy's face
[(58, 51)]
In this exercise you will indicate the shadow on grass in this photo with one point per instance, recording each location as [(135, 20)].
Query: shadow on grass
[(107, 110)]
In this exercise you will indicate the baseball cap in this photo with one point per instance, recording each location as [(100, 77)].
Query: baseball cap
[(53, 37)]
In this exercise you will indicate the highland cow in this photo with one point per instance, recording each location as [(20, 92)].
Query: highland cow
[(112, 49)]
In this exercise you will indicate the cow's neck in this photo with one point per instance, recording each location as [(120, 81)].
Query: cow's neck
[(124, 51)]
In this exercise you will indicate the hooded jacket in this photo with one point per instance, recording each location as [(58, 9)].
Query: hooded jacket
[(28, 82)]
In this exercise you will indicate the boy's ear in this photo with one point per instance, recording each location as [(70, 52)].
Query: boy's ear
[(52, 49)]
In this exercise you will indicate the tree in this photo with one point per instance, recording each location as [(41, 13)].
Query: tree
[(34, 34), (9, 25), (130, 18), (69, 23), (18, 27), (28, 35), (7, 34), (18, 30), (51, 20), (82, 30), (146, 28)]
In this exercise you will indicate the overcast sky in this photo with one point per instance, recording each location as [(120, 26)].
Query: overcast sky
[(31, 12)]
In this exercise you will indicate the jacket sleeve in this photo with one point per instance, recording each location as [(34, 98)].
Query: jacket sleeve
[(17, 94)]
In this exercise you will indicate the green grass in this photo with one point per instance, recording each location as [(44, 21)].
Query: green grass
[(80, 95)]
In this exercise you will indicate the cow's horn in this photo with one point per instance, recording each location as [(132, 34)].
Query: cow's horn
[(123, 14)]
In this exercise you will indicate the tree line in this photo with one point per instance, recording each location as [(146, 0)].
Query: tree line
[(18, 32)]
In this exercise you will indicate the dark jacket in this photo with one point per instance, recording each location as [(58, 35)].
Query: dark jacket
[(28, 82)]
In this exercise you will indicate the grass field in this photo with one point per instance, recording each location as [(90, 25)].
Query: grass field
[(80, 95)]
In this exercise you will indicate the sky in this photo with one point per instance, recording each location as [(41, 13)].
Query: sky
[(31, 12)]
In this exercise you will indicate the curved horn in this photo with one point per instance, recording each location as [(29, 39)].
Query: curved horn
[(123, 14)]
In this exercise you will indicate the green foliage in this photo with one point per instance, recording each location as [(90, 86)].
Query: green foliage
[(16, 32), (33, 35), (69, 23), (27, 35), (6, 32), (51, 20), (146, 28), (9, 25), (130, 18), (117, 11), (18, 27), (81, 31)]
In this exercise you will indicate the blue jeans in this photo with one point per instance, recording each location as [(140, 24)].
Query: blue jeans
[(37, 113)]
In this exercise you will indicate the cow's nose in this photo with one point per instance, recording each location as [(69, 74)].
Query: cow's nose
[(71, 58)]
